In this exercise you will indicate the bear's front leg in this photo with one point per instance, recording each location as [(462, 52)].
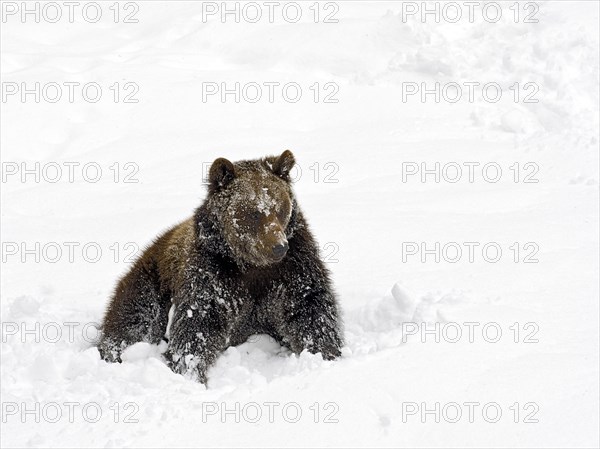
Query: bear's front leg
[(310, 320), (197, 335)]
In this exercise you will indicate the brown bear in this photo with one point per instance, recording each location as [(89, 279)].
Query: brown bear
[(245, 263)]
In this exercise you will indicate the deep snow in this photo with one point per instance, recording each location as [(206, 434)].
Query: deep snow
[(366, 223)]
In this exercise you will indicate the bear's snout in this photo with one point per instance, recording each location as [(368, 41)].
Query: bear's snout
[(280, 249)]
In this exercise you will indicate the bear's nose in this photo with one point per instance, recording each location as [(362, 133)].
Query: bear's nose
[(280, 249)]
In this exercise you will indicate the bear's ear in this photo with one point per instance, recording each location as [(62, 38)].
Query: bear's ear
[(221, 173), (284, 164)]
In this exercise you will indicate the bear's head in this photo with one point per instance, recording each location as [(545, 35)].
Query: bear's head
[(252, 201)]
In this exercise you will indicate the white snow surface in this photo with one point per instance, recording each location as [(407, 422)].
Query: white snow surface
[(365, 397)]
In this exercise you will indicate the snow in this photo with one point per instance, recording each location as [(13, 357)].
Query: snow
[(372, 224)]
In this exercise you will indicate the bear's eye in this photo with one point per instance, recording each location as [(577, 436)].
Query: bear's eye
[(255, 217), (282, 215)]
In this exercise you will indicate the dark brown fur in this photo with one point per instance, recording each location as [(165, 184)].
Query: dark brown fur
[(223, 273)]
